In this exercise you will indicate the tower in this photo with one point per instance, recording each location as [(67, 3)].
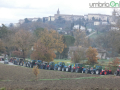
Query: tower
[(58, 12)]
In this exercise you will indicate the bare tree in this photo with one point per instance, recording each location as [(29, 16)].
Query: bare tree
[(24, 41)]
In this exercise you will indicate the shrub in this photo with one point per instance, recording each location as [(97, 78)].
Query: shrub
[(116, 62), (35, 71)]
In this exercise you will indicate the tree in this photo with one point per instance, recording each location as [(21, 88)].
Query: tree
[(116, 62), (42, 52), (38, 31), (68, 41), (52, 40), (23, 40), (26, 20), (2, 48), (80, 38), (110, 42), (78, 55), (9, 42), (92, 55), (3, 31)]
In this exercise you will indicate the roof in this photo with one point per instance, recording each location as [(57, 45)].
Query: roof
[(74, 48)]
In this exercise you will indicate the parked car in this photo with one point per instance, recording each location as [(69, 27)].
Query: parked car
[(77, 68), (6, 61), (50, 66)]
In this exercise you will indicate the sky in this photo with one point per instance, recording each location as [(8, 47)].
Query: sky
[(13, 10)]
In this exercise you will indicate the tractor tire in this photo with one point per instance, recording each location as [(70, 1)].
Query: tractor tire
[(54, 68), (115, 73), (82, 71), (49, 68), (72, 70), (92, 72), (76, 70), (63, 69), (105, 73), (59, 68), (86, 71), (67, 69), (97, 72)]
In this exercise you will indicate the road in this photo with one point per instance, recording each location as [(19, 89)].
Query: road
[(8, 64), (90, 34)]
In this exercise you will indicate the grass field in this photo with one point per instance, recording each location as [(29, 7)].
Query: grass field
[(20, 78), (101, 61), (95, 35)]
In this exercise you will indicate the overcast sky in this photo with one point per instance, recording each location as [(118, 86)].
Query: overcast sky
[(13, 10)]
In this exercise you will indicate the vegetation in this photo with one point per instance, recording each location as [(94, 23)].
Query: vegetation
[(36, 71), (92, 55)]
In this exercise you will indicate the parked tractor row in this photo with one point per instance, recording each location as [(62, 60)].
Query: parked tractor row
[(60, 66)]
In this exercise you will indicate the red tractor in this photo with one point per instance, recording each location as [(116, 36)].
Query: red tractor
[(105, 72)]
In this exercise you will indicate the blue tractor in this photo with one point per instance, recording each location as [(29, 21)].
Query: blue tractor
[(59, 66), (96, 69)]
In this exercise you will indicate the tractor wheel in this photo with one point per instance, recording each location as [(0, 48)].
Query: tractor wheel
[(76, 70), (115, 73), (105, 73), (49, 68), (92, 72), (62, 69), (59, 68), (82, 71), (86, 71), (97, 72), (54, 68), (67, 69), (72, 70)]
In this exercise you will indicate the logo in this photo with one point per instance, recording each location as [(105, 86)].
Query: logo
[(112, 4)]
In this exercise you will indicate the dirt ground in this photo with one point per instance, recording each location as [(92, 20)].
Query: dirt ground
[(17, 78)]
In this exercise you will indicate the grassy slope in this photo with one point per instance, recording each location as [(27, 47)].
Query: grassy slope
[(95, 35)]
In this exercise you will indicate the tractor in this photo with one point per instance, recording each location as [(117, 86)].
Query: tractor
[(44, 65), (59, 66), (117, 73), (68, 68), (21, 61), (50, 66), (105, 72), (86, 69), (77, 68), (39, 63), (96, 69)]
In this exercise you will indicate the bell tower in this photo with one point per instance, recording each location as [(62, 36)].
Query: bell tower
[(58, 12)]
